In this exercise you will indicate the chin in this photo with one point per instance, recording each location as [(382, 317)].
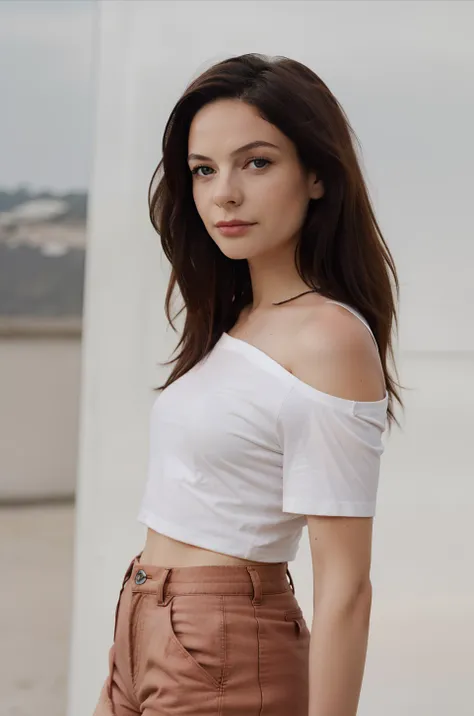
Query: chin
[(236, 252), (235, 248)]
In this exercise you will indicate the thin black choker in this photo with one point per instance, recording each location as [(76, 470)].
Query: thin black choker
[(278, 303)]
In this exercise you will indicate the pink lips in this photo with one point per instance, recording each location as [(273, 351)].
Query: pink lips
[(234, 222), (233, 228)]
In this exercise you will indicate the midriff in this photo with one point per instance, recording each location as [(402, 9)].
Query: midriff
[(163, 551)]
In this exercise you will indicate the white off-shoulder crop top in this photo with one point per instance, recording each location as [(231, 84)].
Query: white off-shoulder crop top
[(241, 450)]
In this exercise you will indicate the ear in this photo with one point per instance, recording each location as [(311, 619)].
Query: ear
[(315, 186), (316, 190)]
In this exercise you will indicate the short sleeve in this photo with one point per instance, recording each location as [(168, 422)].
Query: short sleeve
[(331, 453)]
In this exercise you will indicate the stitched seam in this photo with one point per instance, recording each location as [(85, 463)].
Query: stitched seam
[(186, 653), (223, 641), (258, 660), (294, 613), (220, 704), (136, 645)]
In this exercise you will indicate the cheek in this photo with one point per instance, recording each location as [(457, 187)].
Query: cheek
[(197, 198), (286, 206), (285, 192), (201, 205)]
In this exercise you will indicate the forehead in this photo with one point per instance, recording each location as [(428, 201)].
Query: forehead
[(222, 126)]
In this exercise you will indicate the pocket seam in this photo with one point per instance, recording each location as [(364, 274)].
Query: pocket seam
[(291, 614), (216, 684), (297, 617), (135, 639)]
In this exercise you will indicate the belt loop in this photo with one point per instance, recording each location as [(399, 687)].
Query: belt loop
[(161, 589), (257, 585), (292, 584)]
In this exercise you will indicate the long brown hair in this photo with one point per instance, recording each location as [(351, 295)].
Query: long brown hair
[(341, 252)]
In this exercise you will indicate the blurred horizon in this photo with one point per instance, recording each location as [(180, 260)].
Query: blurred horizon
[(36, 189)]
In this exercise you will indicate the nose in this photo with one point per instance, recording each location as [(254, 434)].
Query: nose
[(227, 191)]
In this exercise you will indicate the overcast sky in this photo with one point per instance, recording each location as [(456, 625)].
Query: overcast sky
[(418, 55), (47, 94)]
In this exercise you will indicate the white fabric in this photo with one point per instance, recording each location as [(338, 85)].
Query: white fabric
[(241, 450)]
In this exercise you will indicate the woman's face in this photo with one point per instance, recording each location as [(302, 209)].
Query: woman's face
[(264, 185)]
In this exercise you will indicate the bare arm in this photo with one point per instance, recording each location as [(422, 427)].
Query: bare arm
[(338, 356), (340, 626)]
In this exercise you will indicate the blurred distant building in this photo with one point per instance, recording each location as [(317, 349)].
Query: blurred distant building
[(42, 258), (34, 211)]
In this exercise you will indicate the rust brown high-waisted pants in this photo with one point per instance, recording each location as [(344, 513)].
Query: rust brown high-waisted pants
[(207, 641)]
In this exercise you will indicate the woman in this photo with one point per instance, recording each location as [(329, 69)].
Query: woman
[(272, 418)]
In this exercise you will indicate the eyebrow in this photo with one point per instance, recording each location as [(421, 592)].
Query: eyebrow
[(245, 148)]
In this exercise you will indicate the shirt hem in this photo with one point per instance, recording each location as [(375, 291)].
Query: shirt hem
[(177, 532), (330, 509)]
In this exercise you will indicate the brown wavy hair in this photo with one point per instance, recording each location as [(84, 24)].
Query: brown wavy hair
[(341, 253)]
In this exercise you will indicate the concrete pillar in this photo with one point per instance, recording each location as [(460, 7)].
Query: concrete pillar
[(124, 337)]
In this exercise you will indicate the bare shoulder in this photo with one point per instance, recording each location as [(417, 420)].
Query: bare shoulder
[(334, 352)]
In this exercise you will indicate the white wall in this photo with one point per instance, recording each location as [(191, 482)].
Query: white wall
[(39, 413), (401, 71)]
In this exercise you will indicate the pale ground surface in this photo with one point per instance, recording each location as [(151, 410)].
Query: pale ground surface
[(36, 551), (421, 655)]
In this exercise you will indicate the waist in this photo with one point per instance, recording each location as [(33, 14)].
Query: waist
[(163, 551), (209, 579)]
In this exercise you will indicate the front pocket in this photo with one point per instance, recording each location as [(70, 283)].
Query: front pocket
[(197, 630), (296, 616)]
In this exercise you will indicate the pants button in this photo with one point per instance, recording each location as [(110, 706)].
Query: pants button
[(140, 577)]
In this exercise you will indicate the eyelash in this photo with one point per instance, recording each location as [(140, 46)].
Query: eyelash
[(254, 159)]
